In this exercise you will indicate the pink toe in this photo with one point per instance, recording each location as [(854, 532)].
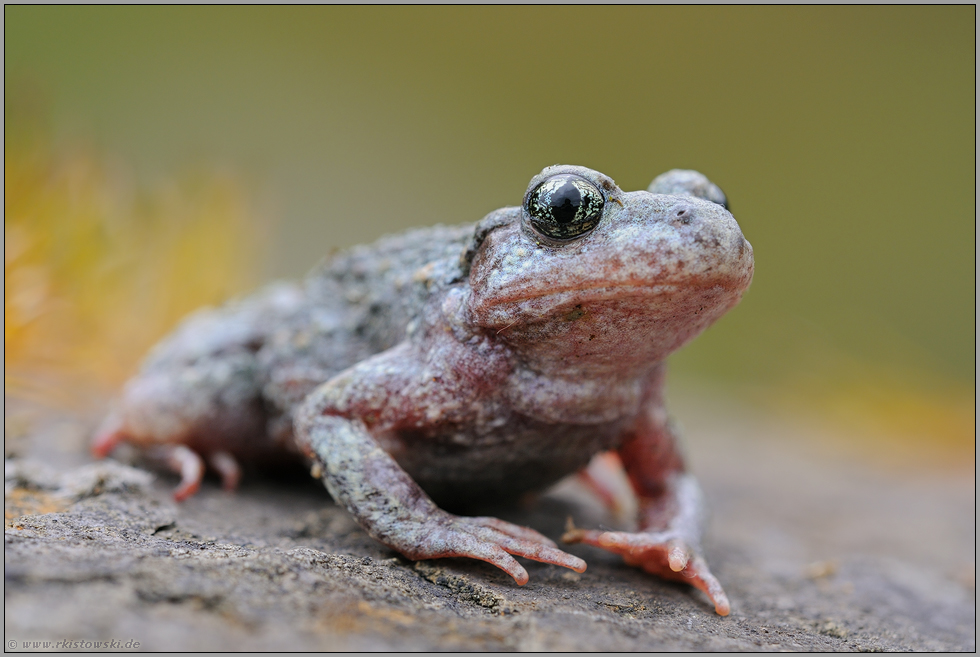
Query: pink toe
[(190, 467), (226, 466), (106, 441)]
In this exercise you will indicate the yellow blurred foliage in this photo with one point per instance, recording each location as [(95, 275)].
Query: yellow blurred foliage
[(97, 269), (887, 418), (942, 419)]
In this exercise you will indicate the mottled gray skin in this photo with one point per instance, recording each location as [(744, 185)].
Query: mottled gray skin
[(465, 364)]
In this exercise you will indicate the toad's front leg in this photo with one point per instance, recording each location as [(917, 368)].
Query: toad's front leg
[(668, 544), (671, 512), (381, 496)]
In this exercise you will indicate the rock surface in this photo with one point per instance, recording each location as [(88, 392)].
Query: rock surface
[(817, 551)]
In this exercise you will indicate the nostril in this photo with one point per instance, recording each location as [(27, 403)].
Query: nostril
[(684, 216)]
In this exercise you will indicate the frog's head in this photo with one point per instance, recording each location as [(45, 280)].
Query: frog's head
[(584, 276)]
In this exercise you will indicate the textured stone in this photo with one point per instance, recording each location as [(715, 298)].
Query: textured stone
[(816, 552)]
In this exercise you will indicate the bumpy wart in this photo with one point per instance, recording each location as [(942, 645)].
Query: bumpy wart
[(564, 207)]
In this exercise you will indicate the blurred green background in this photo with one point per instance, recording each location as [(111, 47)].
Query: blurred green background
[(843, 136)]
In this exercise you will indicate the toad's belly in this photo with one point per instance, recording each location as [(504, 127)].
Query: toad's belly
[(459, 469)]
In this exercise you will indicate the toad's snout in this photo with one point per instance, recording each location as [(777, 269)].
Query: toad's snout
[(694, 242), (683, 215)]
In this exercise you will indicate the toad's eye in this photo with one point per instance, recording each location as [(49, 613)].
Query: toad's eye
[(564, 207)]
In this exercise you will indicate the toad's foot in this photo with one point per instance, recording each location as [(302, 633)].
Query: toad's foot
[(180, 459), (391, 506), (188, 465), (661, 553), (488, 539)]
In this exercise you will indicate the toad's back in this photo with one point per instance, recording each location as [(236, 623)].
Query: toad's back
[(229, 378), (382, 286), (353, 305)]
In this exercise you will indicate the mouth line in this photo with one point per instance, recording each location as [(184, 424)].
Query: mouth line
[(596, 292)]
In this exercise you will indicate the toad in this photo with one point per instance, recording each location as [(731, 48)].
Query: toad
[(449, 366)]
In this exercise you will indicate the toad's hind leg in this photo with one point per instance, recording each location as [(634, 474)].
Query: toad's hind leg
[(227, 467), (605, 477), (183, 414), (108, 437), (202, 388), (189, 466)]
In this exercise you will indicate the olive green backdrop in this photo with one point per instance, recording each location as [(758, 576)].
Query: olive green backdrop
[(844, 137)]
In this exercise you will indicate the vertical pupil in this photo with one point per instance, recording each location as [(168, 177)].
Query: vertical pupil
[(565, 202)]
